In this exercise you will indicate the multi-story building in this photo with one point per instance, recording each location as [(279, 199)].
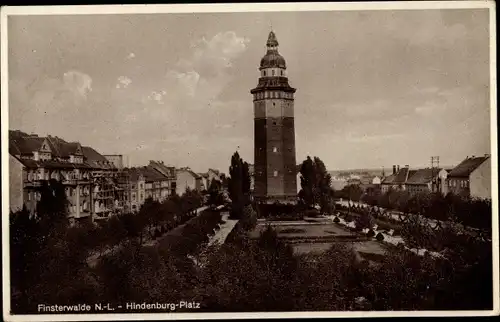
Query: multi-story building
[(471, 178), (187, 179), (134, 185), (116, 159), (427, 180), (397, 180), (274, 150), (84, 172), (415, 181), (170, 184), (207, 177)]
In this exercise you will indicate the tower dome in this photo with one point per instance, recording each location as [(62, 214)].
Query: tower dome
[(272, 59)]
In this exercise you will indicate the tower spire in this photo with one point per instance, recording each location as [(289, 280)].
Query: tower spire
[(272, 41)]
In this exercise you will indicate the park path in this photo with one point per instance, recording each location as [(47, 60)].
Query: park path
[(93, 259), (225, 229)]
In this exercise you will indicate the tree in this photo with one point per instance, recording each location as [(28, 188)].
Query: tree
[(417, 234), (307, 182), (215, 196), (324, 191), (315, 184), (52, 208), (238, 184)]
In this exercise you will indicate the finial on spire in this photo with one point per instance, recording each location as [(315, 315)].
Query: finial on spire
[(272, 41)]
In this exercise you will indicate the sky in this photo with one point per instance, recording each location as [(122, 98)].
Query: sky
[(374, 88)]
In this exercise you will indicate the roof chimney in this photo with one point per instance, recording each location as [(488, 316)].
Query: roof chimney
[(407, 166), (397, 169), (394, 169)]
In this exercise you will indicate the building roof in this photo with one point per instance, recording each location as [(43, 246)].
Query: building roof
[(389, 179), (402, 175), (51, 164), (423, 176), (272, 59), (467, 166), (188, 170), (63, 149), (162, 168), (23, 143), (95, 159), (151, 174)]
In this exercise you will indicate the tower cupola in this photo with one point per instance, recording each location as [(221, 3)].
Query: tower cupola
[(272, 59)]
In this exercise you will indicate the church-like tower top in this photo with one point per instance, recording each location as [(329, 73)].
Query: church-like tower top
[(272, 59)]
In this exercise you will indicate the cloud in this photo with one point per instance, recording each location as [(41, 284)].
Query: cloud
[(196, 81), (77, 82), (39, 102), (123, 82)]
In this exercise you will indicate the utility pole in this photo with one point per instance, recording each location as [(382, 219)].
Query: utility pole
[(434, 171)]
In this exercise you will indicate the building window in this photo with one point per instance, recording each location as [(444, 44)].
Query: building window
[(275, 173), (281, 73), (273, 72), (264, 73), (274, 104)]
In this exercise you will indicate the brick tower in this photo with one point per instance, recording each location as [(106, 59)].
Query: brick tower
[(274, 130)]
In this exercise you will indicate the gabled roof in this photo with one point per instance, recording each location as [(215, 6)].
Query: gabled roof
[(188, 170), (95, 159), (162, 168), (150, 174), (467, 166), (389, 179), (423, 176), (401, 176), (23, 143), (64, 149)]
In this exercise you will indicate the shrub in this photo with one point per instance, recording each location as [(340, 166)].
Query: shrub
[(364, 221), (380, 237), (349, 218), (311, 213), (370, 233), (248, 218)]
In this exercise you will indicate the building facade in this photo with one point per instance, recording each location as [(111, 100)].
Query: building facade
[(116, 159), (427, 180), (187, 179), (274, 130), (84, 173), (471, 178)]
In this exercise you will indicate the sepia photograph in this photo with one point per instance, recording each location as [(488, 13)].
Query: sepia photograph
[(249, 161)]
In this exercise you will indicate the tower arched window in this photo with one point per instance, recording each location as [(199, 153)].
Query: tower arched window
[(264, 73), (273, 72)]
